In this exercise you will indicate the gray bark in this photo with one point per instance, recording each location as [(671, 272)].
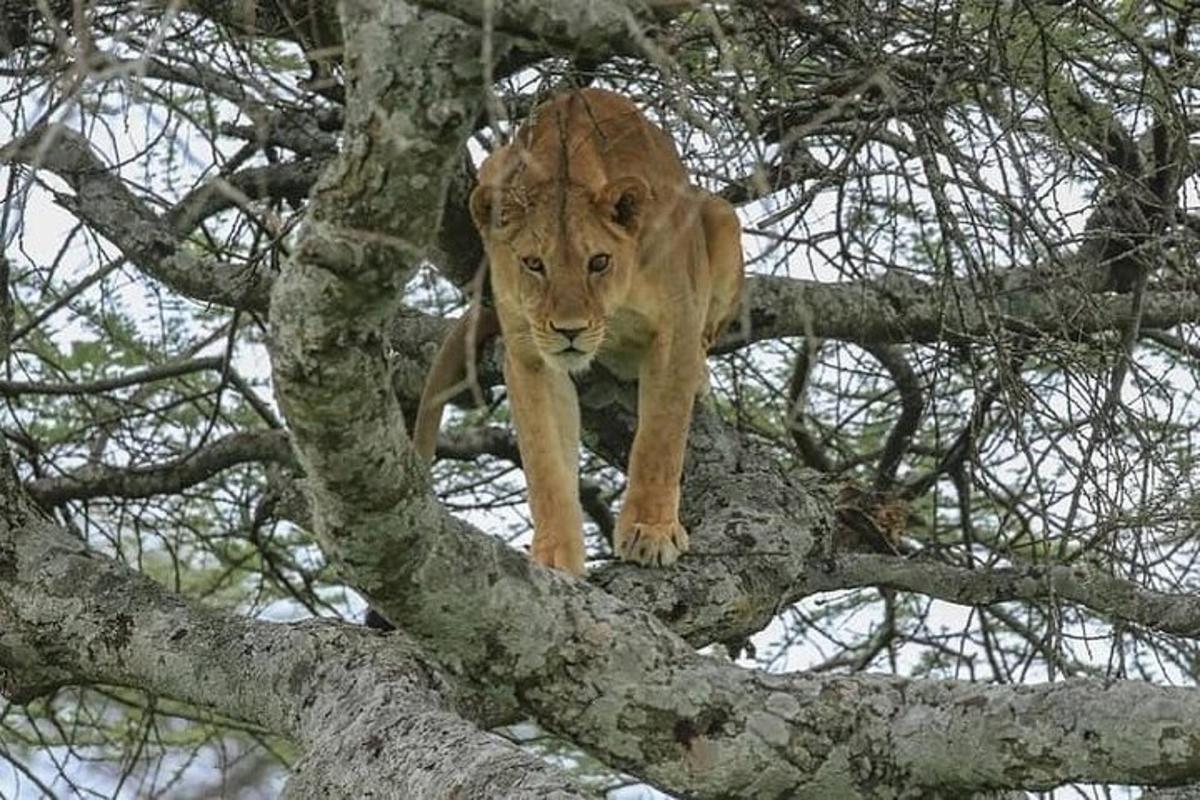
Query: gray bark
[(892, 309), (1088, 585), (372, 715)]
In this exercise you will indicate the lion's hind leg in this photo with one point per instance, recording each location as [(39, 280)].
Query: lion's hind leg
[(723, 240)]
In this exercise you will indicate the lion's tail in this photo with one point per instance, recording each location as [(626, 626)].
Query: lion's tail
[(448, 374)]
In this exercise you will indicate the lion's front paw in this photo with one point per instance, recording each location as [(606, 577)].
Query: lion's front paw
[(563, 554), (651, 543)]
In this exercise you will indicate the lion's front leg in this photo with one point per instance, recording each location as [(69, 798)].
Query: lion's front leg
[(648, 529), (545, 412)]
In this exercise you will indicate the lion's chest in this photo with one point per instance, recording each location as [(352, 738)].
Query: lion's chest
[(625, 344)]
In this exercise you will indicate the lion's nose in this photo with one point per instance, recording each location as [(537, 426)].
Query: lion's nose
[(570, 331)]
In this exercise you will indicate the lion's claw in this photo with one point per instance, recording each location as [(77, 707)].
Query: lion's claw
[(651, 543)]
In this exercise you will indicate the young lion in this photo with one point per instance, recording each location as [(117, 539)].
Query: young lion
[(598, 248)]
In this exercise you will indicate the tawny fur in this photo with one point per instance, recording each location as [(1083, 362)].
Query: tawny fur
[(598, 247), (448, 373)]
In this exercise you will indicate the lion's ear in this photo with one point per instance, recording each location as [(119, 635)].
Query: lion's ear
[(487, 208), (624, 200)]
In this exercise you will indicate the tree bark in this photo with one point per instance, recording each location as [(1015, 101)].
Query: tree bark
[(371, 713)]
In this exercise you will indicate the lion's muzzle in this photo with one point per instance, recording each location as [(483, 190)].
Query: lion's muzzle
[(570, 345)]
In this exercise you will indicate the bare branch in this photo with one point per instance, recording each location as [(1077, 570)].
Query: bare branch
[(807, 446), (305, 134), (287, 181), (310, 23), (246, 447), (912, 405), (103, 201), (17, 388)]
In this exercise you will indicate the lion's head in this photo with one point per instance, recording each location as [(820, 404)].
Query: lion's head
[(564, 255)]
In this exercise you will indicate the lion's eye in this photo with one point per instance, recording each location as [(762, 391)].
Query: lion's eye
[(533, 264), (598, 263)]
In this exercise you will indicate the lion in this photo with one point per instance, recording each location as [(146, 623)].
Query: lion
[(599, 248)]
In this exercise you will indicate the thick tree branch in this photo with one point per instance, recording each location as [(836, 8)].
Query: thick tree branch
[(893, 309), (898, 310), (577, 26), (738, 583), (1110, 596), (373, 215), (371, 714), (614, 681)]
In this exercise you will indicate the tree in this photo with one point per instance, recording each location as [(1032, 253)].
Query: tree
[(941, 502)]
